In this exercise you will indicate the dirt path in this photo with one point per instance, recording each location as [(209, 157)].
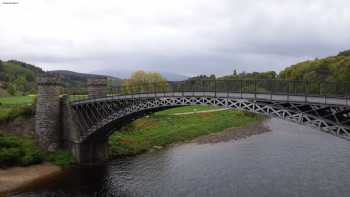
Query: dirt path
[(198, 112), (17, 177)]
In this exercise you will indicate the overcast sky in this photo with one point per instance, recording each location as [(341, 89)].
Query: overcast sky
[(181, 36)]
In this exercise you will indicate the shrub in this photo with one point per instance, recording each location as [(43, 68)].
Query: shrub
[(16, 150), (8, 114), (61, 157), (10, 156)]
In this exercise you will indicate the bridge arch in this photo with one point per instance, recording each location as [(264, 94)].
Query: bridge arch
[(87, 118), (97, 117)]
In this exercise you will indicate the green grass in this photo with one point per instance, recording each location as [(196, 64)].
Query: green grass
[(61, 158), (188, 109), (15, 106), (163, 128), (20, 151), (17, 100), (23, 151), (10, 113)]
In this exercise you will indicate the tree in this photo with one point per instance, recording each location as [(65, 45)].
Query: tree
[(344, 53), (141, 81), (1, 66), (2, 73)]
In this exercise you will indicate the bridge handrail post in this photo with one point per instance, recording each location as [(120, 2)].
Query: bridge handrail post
[(226, 82), (241, 90), (154, 90), (325, 97), (271, 89), (255, 89), (305, 84), (201, 87), (346, 85), (215, 87), (288, 86), (183, 88)]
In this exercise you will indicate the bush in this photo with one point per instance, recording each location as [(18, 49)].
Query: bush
[(10, 156), (8, 114), (20, 151), (61, 158)]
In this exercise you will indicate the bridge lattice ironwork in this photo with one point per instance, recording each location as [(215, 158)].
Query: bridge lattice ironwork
[(325, 105)]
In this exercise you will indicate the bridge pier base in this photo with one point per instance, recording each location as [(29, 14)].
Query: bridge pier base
[(48, 112), (90, 152)]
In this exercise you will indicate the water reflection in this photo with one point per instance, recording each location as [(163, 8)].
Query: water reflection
[(292, 160)]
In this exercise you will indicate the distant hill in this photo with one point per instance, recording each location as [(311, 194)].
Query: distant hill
[(75, 79), (251, 76), (334, 68), (19, 78), (124, 74), (173, 76)]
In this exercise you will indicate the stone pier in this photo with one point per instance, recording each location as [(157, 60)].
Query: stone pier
[(97, 88), (56, 125), (94, 149), (48, 112)]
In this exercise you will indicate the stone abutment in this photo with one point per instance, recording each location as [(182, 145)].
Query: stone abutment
[(55, 124)]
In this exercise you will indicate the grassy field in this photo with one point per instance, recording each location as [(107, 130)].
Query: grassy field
[(188, 109), (163, 128), (17, 100), (14, 106)]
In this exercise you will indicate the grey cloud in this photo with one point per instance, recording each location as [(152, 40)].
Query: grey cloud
[(185, 36)]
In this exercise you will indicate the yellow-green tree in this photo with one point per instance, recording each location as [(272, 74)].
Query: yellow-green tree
[(141, 81)]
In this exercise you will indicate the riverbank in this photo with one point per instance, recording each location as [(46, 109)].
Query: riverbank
[(23, 163), (233, 134), (14, 178), (181, 124), (201, 124)]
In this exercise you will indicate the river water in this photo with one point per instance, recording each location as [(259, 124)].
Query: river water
[(291, 160)]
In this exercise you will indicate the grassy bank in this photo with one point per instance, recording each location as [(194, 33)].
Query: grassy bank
[(23, 151), (163, 128)]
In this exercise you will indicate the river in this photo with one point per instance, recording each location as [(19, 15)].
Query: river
[(291, 160)]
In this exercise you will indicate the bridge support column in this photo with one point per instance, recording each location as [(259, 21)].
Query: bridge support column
[(97, 88), (48, 109), (90, 152)]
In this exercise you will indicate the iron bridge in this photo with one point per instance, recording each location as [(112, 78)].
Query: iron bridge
[(325, 105)]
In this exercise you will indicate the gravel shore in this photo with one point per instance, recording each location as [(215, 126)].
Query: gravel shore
[(233, 134), (14, 178)]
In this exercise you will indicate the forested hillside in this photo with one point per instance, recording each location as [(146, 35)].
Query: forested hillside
[(19, 78), (334, 68), (253, 75), (74, 79)]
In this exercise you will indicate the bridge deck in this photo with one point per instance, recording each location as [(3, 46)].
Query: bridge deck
[(310, 99)]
